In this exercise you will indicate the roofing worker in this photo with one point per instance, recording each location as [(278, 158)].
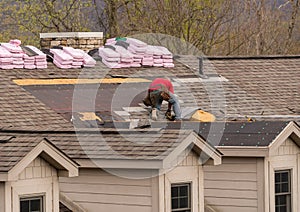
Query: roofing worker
[(162, 89)]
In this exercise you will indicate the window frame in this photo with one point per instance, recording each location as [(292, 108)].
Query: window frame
[(277, 163), (289, 192), (35, 197), (189, 195)]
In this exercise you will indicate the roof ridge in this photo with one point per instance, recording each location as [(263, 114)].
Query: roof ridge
[(258, 57), (81, 130)]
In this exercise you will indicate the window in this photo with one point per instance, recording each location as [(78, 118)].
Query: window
[(283, 191), (31, 204), (181, 197)]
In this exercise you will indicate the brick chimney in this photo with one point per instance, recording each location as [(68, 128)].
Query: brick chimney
[(78, 40)]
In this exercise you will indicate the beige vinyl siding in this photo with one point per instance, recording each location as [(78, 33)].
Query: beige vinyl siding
[(38, 168), (97, 190), (189, 158), (288, 147), (2, 196), (235, 185)]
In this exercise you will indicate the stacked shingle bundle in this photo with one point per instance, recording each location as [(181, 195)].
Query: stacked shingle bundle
[(40, 59), (12, 55), (61, 59), (16, 51), (29, 62), (130, 52), (88, 61), (138, 48), (68, 57), (126, 57), (5, 59), (110, 57), (167, 57), (77, 55)]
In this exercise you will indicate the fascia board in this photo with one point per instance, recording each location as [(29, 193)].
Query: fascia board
[(283, 135), (244, 151), (119, 163), (52, 152), (189, 142)]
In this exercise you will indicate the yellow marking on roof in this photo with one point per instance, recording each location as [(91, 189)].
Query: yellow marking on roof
[(77, 81), (89, 116), (203, 116)]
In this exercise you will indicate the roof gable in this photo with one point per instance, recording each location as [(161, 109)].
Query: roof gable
[(292, 131), (48, 152), (202, 148)]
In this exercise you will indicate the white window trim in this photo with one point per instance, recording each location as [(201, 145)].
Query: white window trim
[(46, 187), (278, 163), (182, 174)]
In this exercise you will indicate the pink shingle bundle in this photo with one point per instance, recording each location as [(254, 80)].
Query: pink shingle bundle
[(6, 59), (77, 55), (61, 59), (29, 62), (110, 57), (16, 52), (40, 59), (12, 55), (68, 57), (131, 52), (15, 42), (88, 61), (12, 48)]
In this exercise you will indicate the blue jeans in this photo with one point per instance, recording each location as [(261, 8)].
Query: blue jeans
[(157, 100)]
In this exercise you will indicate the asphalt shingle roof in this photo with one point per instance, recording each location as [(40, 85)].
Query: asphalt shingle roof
[(249, 87), (150, 144), (142, 144), (265, 88)]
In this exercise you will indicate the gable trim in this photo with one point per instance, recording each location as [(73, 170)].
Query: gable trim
[(51, 154), (244, 151), (193, 141), (291, 129), (3, 176)]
